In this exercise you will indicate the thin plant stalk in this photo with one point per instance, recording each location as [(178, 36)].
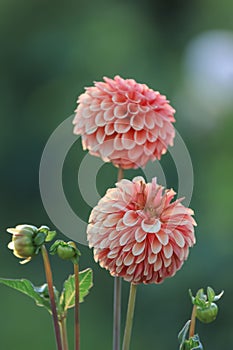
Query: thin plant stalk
[(117, 314), (117, 299), (129, 317), (49, 278), (64, 333), (76, 310), (193, 322)]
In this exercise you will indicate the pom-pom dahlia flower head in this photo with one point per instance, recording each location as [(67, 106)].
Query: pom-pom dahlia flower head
[(124, 122), (138, 233)]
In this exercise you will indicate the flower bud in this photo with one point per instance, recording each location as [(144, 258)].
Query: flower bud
[(65, 251), (206, 309), (22, 241), (27, 240), (207, 314)]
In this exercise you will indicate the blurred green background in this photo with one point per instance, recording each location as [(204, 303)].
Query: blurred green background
[(49, 51)]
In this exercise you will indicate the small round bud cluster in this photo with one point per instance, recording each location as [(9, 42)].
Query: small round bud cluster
[(207, 310), (28, 239), (66, 251)]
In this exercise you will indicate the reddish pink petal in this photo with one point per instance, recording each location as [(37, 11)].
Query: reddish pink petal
[(99, 119), (130, 218), (138, 248), (180, 241), (163, 238), (137, 121), (168, 251), (152, 258), (128, 260), (121, 126), (156, 246), (120, 111), (140, 235), (125, 238), (158, 264), (140, 137)]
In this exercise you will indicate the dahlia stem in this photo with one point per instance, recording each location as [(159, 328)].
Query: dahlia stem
[(117, 314), (129, 317), (76, 311), (193, 322), (120, 174), (64, 333), (117, 299), (49, 278)]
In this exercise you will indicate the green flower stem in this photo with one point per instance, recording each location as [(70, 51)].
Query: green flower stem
[(77, 326), (129, 317), (117, 299), (120, 174), (64, 333), (117, 314), (49, 279), (193, 322)]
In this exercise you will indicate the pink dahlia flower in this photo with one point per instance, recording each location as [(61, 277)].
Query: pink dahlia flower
[(138, 233), (124, 122)]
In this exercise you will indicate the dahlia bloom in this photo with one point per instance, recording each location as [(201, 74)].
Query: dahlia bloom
[(138, 233), (124, 122)]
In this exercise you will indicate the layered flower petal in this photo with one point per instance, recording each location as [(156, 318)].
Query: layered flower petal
[(136, 119), (138, 233)]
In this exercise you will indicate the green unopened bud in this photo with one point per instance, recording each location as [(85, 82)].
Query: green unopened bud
[(206, 310), (22, 241), (65, 251), (27, 240), (207, 314)]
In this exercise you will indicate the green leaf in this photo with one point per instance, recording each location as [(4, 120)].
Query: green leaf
[(210, 294), (183, 333), (51, 235), (26, 287), (67, 299)]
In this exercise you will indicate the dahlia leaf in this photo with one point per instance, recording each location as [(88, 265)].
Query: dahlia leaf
[(39, 294), (67, 299), (183, 333)]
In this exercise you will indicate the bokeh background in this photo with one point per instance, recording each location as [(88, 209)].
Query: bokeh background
[(49, 51)]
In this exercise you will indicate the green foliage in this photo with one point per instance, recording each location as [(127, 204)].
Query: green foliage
[(41, 296), (192, 343), (26, 287), (85, 283)]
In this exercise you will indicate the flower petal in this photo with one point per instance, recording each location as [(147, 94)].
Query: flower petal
[(138, 248), (151, 228), (130, 218)]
